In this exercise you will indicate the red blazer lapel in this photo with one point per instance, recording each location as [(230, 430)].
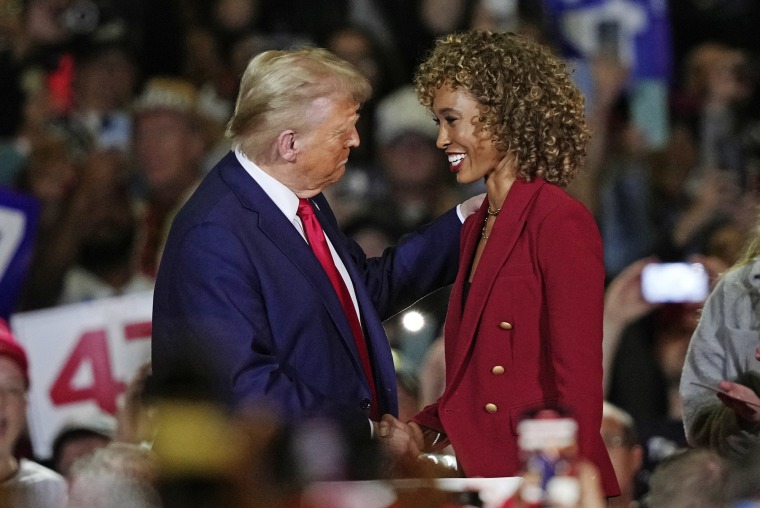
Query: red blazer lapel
[(464, 323)]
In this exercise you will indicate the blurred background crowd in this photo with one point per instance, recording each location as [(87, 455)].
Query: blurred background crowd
[(111, 111)]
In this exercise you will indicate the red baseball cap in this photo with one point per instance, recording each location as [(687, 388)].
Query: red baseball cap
[(10, 348)]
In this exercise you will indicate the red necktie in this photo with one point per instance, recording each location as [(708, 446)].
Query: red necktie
[(318, 243)]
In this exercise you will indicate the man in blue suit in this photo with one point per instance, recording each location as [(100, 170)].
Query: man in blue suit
[(239, 286)]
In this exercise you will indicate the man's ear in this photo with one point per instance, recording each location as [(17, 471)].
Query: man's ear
[(286, 145)]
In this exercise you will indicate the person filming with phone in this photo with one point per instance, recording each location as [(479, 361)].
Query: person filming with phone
[(647, 329), (720, 382)]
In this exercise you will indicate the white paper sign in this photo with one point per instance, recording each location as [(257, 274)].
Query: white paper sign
[(81, 357)]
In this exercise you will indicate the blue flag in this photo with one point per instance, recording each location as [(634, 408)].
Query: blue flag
[(637, 32), (19, 215)]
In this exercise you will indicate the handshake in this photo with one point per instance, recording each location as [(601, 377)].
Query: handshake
[(406, 441)]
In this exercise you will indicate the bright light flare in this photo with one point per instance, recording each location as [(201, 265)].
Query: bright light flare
[(413, 321)]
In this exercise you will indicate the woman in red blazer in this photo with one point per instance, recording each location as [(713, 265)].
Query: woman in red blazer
[(524, 325)]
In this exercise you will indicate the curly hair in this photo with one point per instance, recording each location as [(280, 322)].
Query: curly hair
[(528, 102)]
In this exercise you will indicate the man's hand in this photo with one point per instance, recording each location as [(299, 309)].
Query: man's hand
[(587, 482), (397, 437), (471, 205)]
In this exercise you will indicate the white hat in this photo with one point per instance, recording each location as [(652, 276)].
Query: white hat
[(401, 113), (167, 93), (89, 420)]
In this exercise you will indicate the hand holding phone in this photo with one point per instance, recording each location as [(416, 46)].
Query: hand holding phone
[(727, 395), (549, 453)]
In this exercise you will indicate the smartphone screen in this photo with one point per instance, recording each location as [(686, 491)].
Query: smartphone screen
[(608, 39), (674, 282)]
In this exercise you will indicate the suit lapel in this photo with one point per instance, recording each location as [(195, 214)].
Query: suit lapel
[(373, 331), (273, 224), (505, 234)]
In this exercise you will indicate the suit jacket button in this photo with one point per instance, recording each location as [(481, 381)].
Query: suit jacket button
[(491, 408), (498, 370), (365, 404), (505, 326)]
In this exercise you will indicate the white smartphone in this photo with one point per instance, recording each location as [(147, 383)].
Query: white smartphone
[(674, 282)]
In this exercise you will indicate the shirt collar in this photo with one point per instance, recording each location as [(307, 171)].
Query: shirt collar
[(282, 196)]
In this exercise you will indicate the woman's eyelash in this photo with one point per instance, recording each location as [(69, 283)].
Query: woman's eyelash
[(448, 119)]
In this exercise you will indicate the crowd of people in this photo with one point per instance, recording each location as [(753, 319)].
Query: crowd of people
[(295, 181)]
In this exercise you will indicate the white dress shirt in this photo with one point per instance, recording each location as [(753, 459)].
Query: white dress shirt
[(287, 202)]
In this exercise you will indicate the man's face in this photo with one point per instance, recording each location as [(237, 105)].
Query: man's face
[(323, 148), (626, 457), (411, 160), (167, 148), (12, 405)]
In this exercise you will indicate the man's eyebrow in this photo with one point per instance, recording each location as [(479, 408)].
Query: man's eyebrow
[(350, 123)]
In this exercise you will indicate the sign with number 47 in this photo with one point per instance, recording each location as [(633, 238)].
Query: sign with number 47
[(81, 356)]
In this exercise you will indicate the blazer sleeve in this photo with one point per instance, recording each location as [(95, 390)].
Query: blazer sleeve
[(429, 418), (569, 251), (422, 262)]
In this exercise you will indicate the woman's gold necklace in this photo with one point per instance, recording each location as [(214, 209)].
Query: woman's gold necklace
[(489, 214)]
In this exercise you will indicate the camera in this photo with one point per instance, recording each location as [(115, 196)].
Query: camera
[(674, 282)]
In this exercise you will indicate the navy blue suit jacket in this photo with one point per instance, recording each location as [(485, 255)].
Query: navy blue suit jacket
[(240, 288)]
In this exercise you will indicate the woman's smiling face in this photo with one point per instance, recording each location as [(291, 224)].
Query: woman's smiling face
[(470, 149)]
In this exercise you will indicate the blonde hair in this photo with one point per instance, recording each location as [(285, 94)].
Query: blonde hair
[(751, 249), (528, 103), (276, 89)]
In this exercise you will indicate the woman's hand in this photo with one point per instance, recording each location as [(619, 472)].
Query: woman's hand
[(741, 399)]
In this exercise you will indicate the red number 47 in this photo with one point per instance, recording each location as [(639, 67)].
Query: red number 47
[(92, 348)]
